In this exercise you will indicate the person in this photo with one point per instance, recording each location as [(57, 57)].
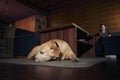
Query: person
[(102, 33)]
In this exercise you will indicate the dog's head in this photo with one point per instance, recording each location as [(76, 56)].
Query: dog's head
[(47, 52)]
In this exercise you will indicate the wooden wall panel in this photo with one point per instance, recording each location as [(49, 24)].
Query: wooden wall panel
[(53, 35), (26, 24), (88, 15), (72, 39)]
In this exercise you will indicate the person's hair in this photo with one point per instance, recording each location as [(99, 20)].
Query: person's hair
[(101, 25), (106, 29)]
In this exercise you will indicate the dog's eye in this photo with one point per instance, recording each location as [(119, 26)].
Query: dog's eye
[(41, 52), (51, 48)]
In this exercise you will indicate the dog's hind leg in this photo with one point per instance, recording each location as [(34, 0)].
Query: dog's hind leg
[(74, 58)]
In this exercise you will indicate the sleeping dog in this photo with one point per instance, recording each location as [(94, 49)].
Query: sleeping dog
[(52, 50)]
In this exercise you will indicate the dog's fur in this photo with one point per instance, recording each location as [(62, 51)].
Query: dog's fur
[(52, 50)]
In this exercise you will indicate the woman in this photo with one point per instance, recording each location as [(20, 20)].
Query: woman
[(103, 32)]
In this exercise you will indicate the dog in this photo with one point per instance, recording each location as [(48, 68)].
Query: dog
[(52, 50)]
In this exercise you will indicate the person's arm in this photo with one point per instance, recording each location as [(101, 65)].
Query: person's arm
[(96, 35)]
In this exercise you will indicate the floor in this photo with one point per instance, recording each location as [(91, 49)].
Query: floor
[(108, 70)]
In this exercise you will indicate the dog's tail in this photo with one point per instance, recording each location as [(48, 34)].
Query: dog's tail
[(33, 52)]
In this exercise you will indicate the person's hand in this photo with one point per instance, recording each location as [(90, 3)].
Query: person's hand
[(109, 35)]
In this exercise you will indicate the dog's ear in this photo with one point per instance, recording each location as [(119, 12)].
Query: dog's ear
[(53, 45), (56, 50)]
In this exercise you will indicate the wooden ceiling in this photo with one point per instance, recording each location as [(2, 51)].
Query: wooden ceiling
[(12, 10), (48, 6)]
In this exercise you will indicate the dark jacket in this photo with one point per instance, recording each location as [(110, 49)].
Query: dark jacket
[(101, 35)]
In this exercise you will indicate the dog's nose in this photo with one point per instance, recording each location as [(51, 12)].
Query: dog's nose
[(36, 60), (33, 57)]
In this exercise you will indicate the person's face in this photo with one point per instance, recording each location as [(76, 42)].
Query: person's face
[(102, 27)]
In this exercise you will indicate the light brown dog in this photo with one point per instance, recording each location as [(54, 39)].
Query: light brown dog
[(52, 50)]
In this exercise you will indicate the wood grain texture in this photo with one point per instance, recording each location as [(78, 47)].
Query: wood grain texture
[(88, 15), (26, 24)]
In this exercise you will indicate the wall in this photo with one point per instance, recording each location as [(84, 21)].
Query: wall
[(88, 15), (26, 23)]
